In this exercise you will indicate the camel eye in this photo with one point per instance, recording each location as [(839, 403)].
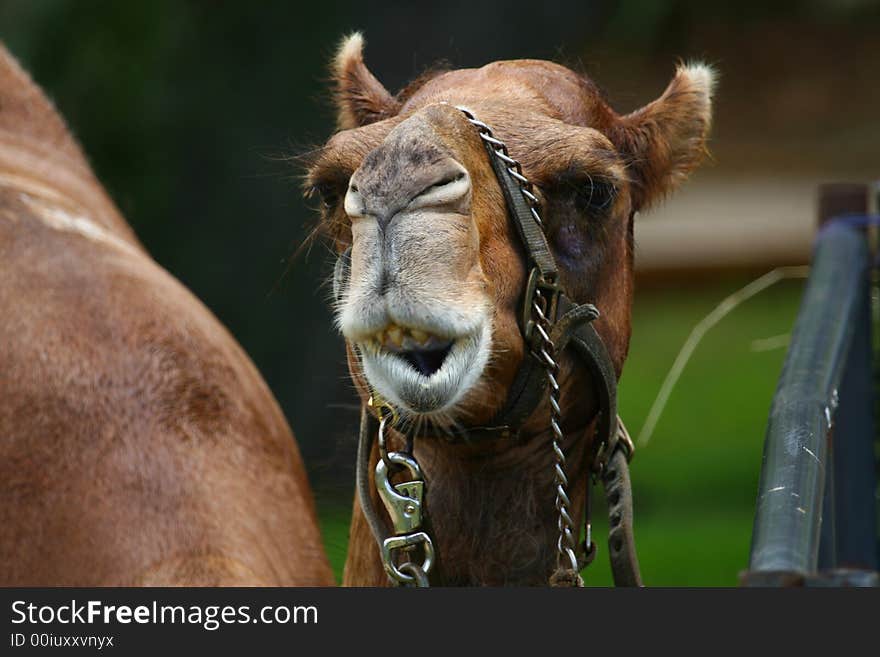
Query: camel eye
[(329, 194), (596, 195)]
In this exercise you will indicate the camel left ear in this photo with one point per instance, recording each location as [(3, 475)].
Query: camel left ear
[(360, 97), (666, 140)]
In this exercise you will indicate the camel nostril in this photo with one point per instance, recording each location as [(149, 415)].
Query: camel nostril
[(450, 178), (447, 184), (426, 361)]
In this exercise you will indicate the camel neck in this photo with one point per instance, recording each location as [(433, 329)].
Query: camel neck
[(492, 515)]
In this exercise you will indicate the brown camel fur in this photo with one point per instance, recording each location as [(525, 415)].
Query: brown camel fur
[(138, 443)]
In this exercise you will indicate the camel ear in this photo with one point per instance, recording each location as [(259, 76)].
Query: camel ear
[(360, 97), (666, 140)]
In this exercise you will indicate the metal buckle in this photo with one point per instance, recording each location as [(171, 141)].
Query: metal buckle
[(620, 440), (408, 541), (625, 441), (536, 282), (382, 409), (403, 501)]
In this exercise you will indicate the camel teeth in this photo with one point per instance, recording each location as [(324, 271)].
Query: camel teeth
[(402, 338), (395, 335)]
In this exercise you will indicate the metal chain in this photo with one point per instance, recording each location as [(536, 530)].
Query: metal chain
[(514, 168), (567, 541)]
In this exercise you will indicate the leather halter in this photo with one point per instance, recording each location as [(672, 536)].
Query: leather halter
[(572, 327)]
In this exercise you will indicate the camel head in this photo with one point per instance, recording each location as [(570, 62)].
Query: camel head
[(433, 271)]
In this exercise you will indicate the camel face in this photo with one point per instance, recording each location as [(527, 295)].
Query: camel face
[(431, 302), (417, 306)]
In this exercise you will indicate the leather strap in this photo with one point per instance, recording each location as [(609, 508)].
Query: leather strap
[(363, 478), (537, 249), (589, 347), (621, 540)]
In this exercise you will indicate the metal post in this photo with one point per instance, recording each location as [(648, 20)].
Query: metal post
[(785, 541)]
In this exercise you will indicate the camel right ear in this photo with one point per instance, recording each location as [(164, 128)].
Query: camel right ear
[(666, 139), (360, 97)]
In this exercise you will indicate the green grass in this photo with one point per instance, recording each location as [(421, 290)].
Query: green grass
[(695, 482)]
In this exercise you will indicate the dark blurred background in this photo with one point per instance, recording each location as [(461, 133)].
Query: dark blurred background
[(192, 112)]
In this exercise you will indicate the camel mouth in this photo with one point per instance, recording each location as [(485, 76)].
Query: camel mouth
[(423, 350), (421, 372), (399, 338), (426, 361)]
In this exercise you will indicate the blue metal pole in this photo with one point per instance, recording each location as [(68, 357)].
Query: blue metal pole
[(791, 490)]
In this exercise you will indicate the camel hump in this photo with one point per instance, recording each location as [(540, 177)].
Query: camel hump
[(26, 111), (38, 150)]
